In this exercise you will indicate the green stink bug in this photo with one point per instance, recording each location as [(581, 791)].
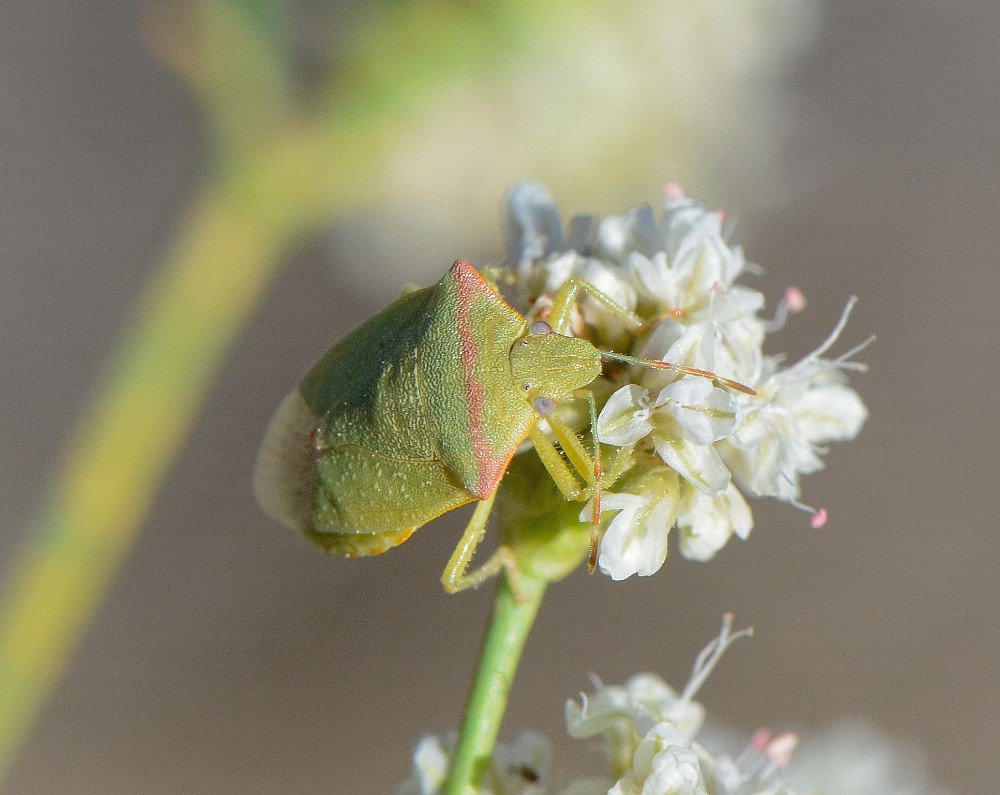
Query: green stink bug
[(420, 409)]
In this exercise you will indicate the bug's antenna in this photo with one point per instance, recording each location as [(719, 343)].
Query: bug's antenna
[(680, 368), (595, 514)]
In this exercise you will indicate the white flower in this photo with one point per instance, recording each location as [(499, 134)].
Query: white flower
[(632, 710), (706, 523), (650, 731), (636, 540), (795, 412), (693, 242), (663, 764), (655, 745), (690, 280), (521, 768), (430, 766), (852, 758)]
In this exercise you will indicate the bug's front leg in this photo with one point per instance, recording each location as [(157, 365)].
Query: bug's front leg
[(570, 292), (561, 474)]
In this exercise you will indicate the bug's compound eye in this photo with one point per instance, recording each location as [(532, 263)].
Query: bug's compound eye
[(543, 406), (540, 327)]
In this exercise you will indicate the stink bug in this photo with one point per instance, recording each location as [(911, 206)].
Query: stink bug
[(421, 408)]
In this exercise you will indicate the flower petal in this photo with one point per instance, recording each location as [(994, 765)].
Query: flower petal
[(625, 418), (698, 464), (531, 223), (620, 235), (706, 523), (830, 413), (704, 413), (632, 546)]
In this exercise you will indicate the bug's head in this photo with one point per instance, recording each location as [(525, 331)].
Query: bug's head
[(548, 367)]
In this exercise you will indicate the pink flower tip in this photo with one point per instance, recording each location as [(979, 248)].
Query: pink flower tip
[(794, 299), (673, 190), (818, 519), (780, 749), (760, 739)]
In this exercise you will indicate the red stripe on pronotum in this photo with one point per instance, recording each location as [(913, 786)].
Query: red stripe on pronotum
[(470, 285)]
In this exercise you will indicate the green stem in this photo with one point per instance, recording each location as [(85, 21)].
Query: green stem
[(231, 246), (505, 637)]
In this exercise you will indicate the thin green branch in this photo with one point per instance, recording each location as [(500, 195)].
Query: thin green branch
[(189, 315), (505, 637)]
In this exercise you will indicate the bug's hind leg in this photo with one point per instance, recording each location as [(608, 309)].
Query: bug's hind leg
[(457, 577)]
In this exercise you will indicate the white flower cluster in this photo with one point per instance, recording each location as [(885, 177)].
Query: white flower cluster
[(649, 734), (697, 443), (648, 731)]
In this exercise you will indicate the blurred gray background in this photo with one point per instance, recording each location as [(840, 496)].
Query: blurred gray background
[(232, 657)]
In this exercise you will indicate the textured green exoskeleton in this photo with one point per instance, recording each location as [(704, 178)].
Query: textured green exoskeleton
[(419, 410)]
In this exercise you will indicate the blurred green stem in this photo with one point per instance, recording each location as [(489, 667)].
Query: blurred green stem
[(233, 241), (505, 637)]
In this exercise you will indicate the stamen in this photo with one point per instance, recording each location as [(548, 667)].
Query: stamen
[(803, 369), (792, 302), (817, 516), (766, 755), (779, 750), (842, 360), (759, 741), (793, 299), (710, 655), (837, 329)]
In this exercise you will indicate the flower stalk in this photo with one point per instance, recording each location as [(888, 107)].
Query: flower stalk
[(503, 643)]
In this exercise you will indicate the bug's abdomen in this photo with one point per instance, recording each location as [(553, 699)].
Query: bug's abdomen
[(399, 493)]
